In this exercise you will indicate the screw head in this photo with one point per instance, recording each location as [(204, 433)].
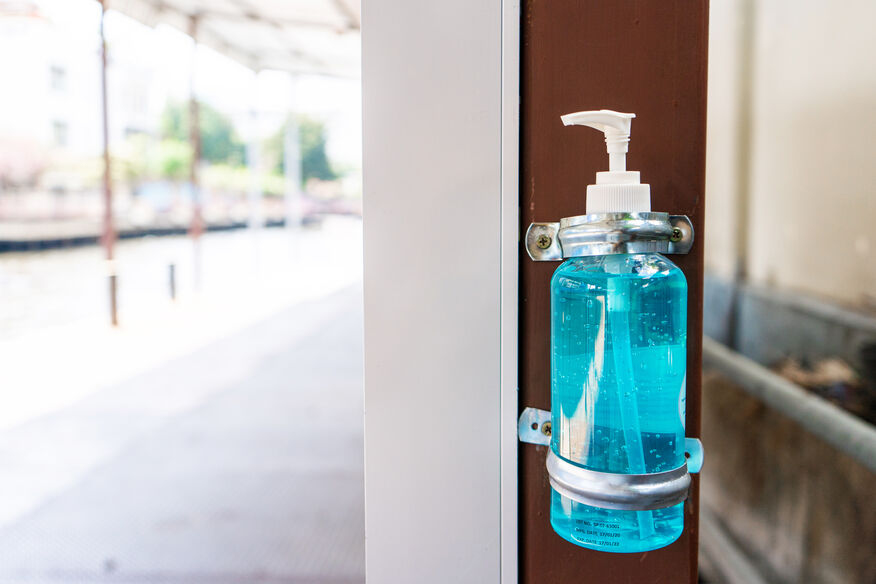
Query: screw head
[(677, 235), (546, 428), (543, 241)]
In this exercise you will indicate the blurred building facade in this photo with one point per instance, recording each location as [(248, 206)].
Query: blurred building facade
[(52, 102), (51, 142)]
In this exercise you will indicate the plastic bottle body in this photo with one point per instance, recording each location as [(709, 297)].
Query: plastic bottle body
[(618, 362)]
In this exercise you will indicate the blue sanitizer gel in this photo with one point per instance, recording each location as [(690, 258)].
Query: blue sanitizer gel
[(618, 348)]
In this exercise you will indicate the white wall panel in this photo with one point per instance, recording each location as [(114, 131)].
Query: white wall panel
[(436, 279)]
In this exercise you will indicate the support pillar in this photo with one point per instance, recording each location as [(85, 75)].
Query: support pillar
[(254, 163), (292, 172), (197, 225), (108, 237)]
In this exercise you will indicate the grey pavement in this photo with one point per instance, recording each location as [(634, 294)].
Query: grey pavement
[(242, 462)]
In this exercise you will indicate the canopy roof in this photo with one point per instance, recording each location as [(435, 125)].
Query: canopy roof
[(304, 36)]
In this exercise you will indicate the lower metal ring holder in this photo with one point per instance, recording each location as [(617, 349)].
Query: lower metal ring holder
[(626, 492)]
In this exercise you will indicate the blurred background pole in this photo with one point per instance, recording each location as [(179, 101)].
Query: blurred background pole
[(292, 172), (109, 232), (171, 280), (253, 160), (197, 226)]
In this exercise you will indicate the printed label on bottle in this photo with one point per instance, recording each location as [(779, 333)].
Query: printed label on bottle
[(597, 533)]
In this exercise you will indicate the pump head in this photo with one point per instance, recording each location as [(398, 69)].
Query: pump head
[(617, 190)]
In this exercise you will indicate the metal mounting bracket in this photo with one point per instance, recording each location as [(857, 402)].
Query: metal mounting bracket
[(609, 233), (534, 426)]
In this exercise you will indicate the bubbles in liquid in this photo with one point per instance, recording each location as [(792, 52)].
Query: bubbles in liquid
[(600, 374)]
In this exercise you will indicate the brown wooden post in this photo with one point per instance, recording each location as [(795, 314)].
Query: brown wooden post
[(642, 56)]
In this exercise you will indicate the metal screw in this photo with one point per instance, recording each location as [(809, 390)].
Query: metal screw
[(543, 241), (677, 235), (546, 428)]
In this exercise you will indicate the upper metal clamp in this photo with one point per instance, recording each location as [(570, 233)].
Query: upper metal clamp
[(609, 233)]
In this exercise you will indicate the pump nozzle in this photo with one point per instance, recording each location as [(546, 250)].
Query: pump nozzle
[(617, 190), (615, 126)]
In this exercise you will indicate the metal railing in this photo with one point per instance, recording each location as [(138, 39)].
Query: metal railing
[(840, 429)]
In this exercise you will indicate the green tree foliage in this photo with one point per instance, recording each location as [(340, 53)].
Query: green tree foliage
[(311, 140), (314, 161), (174, 159), (221, 145), (140, 159), (219, 141)]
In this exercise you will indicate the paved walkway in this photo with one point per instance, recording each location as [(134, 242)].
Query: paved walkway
[(241, 462)]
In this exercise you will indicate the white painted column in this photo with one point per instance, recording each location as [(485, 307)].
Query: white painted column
[(292, 173), (253, 160), (440, 192)]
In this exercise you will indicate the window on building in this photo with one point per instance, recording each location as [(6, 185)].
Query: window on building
[(59, 132), (58, 78), (131, 132)]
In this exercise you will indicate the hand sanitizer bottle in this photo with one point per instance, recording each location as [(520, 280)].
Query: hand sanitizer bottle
[(618, 348)]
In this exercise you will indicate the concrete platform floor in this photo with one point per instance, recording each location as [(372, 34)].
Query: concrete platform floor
[(241, 462)]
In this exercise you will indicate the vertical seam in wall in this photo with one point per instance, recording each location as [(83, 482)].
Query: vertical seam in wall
[(745, 83), (743, 159)]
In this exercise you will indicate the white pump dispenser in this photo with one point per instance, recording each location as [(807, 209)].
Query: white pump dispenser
[(618, 190)]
